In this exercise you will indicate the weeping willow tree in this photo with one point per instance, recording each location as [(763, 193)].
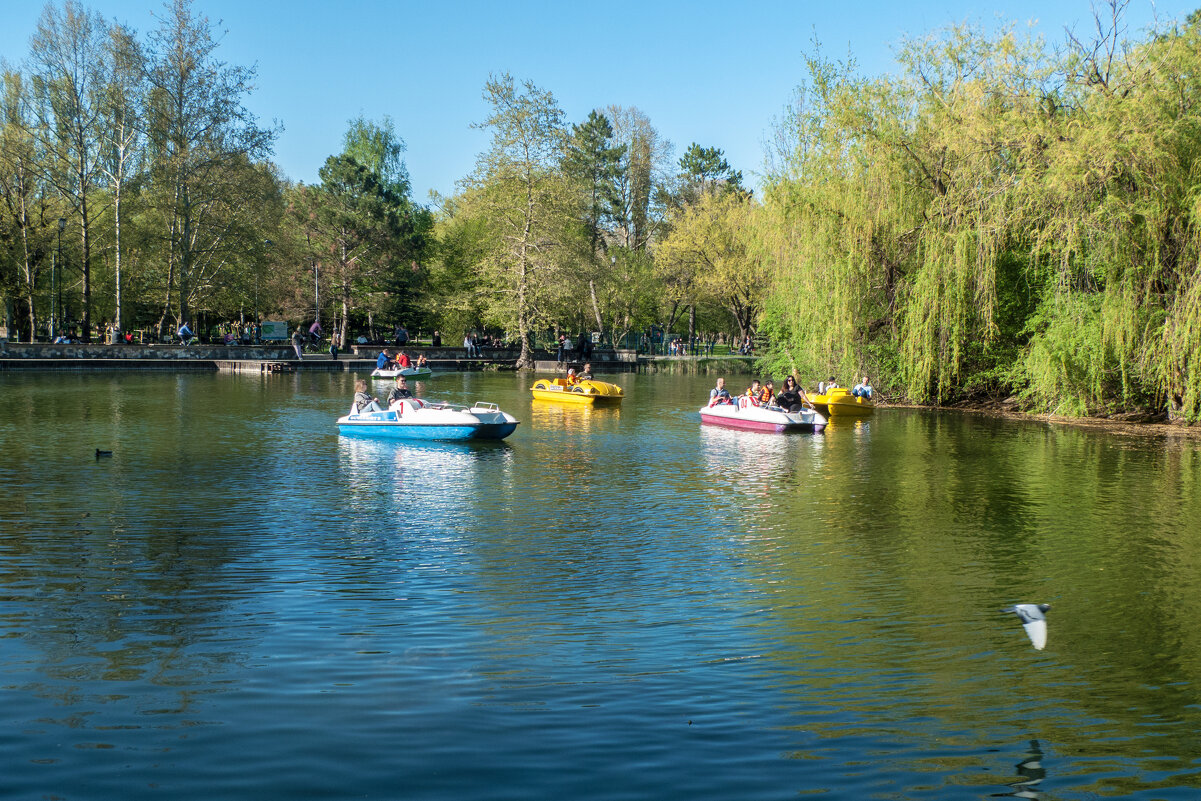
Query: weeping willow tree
[(997, 219)]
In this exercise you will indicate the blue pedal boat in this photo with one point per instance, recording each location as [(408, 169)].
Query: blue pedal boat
[(416, 419)]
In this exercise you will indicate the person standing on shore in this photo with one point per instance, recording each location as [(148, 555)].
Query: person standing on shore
[(298, 342)]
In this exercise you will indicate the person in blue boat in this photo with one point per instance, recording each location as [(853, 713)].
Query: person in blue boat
[(719, 393), (383, 360), (862, 389), (399, 392), (362, 401)]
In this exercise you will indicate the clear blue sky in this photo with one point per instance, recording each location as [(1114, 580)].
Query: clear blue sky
[(711, 72)]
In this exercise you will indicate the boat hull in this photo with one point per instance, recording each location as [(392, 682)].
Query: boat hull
[(772, 419), (587, 391), (415, 419), (407, 372), (841, 403), (429, 433)]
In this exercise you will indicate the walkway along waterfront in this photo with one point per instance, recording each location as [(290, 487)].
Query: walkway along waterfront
[(275, 358)]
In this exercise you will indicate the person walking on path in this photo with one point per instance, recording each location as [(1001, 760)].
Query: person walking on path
[(298, 342)]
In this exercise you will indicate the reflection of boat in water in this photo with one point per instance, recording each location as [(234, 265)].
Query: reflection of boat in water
[(407, 372), (572, 417), (745, 413), (839, 402), (416, 419), (585, 391), (728, 451), (423, 483)]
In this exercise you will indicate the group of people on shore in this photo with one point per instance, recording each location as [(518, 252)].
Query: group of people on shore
[(792, 396)]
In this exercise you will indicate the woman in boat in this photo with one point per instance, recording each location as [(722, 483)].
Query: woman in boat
[(422, 361), (792, 396), (362, 401)]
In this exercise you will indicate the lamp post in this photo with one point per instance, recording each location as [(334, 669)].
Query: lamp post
[(56, 281), (267, 243)]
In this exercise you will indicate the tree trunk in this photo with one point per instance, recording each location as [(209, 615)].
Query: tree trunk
[(117, 255), (600, 326)]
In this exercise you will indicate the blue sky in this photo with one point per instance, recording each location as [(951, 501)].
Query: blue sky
[(710, 72)]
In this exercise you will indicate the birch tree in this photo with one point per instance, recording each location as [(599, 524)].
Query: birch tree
[(518, 188), (67, 61), (203, 141)]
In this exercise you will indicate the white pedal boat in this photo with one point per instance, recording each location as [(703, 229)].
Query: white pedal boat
[(416, 419), (745, 413), (407, 372)]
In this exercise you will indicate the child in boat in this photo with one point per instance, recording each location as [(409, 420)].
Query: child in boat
[(768, 394), (383, 360), (422, 361), (362, 401), (402, 360)]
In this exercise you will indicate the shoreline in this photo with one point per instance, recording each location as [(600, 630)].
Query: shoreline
[(1162, 428)]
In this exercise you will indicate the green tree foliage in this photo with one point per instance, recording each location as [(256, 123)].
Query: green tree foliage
[(203, 145), (27, 217), (999, 218), (378, 147), (712, 254), (69, 59), (531, 209), (361, 234), (704, 169)]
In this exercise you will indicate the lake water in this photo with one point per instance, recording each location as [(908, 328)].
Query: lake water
[(611, 604)]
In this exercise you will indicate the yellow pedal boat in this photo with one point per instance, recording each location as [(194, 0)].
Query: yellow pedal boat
[(839, 402), (584, 391)]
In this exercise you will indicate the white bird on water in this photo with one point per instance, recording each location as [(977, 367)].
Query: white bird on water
[(1034, 621)]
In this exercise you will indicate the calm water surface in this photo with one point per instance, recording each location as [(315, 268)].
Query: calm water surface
[(612, 604)]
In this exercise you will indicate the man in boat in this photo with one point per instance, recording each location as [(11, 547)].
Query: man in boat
[(586, 373), (399, 392), (719, 394), (862, 389), (754, 391), (383, 360)]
